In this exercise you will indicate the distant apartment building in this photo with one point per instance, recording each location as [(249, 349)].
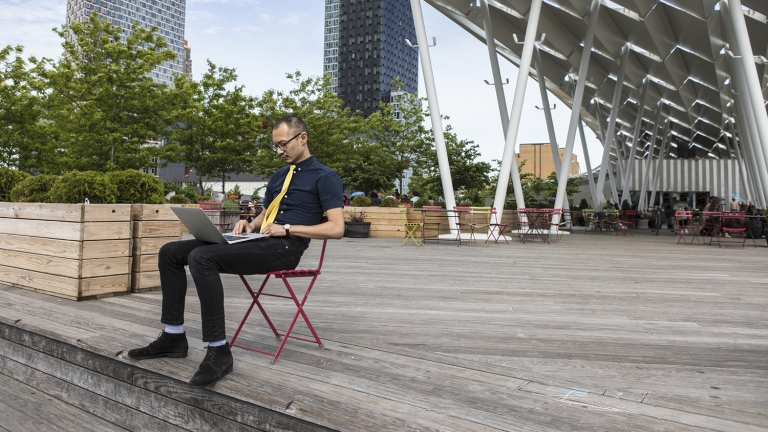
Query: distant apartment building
[(365, 50), (167, 15), (187, 60), (539, 162)]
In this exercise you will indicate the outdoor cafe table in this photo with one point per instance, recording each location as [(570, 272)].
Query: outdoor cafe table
[(449, 213), (537, 221)]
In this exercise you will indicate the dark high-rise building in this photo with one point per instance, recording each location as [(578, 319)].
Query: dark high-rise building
[(366, 50)]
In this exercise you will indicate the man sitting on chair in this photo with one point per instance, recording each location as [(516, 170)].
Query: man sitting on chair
[(294, 204)]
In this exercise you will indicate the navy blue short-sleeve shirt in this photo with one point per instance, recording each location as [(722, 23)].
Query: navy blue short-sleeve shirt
[(314, 189)]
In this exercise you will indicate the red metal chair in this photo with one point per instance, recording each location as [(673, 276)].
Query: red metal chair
[(685, 222), (711, 226), (733, 225), (626, 222), (284, 275), (497, 228)]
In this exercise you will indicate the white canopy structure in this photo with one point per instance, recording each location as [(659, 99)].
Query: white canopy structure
[(654, 79)]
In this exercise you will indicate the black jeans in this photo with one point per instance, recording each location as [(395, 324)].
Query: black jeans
[(206, 261)]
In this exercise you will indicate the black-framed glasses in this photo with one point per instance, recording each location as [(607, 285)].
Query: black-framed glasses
[(281, 145)]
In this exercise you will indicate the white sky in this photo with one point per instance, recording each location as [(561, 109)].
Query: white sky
[(263, 40)]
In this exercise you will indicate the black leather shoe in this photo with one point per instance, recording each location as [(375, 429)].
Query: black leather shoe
[(166, 345), (217, 363)]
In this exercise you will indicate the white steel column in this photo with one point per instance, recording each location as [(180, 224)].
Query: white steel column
[(495, 70), (547, 111), (562, 178), (642, 205), (434, 109), (662, 152), (610, 132), (601, 175), (747, 135), (508, 160), (752, 91), (590, 178), (635, 138), (742, 170)]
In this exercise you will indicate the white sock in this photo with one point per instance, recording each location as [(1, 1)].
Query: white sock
[(217, 343), (174, 329)]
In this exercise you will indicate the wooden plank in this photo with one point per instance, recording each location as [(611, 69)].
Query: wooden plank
[(39, 245), (42, 228), (151, 245), (145, 281), (106, 230), (107, 213), (96, 286), (106, 409), (42, 211), (145, 263), (67, 287), (154, 212), (106, 248), (52, 412), (72, 268), (157, 229), (14, 420)]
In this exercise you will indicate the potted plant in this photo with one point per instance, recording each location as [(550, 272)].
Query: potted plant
[(357, 227)]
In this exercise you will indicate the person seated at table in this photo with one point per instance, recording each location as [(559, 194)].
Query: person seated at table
[(375, 200), (715, 205)]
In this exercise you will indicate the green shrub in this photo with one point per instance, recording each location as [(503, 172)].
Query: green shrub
[(9, 178), (34, 189), (360, 201), (389, 202), (178, 199), (75, 186), (421, 202), (136, 187)]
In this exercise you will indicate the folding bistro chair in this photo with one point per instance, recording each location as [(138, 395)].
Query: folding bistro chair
[(284, 275), (479, 220), (410, 228), (712, 226), (459, 212), (431, 222), (626, 221), (559, 227), (497, 228), (685, 223), (734, 224)]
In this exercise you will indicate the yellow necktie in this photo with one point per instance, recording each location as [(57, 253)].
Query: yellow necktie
[(271, 213)]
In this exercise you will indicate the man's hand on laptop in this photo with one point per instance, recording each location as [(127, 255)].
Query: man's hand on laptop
[(242, 226)]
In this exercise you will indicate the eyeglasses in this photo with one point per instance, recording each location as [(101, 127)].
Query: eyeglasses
[(281, 145)]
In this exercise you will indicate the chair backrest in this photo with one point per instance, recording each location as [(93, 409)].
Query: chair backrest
[(322, 251), (735, 220), (404, 215), (432, 207), (210, 205)]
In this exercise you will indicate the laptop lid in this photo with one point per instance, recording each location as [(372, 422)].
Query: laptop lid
[(203, 229)]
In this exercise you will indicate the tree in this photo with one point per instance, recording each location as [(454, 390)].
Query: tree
[(336, 134), (21, 140), (398, 127), (102, 101), (550, 188), (216, 126), (467, 173)]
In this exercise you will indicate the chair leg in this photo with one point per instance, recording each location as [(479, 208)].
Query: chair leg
[(299, 311)]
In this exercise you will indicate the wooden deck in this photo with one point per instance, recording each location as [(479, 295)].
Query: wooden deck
[(594, 333)]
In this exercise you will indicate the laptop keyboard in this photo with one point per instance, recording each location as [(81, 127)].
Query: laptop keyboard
[(232, 237)]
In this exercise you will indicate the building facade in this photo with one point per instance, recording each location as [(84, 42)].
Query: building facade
[(539, 162), (365, 50), (187, 60), (167, 15)]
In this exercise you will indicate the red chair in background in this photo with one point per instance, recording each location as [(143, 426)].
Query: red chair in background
[(733, 225), (687, 225), (285, 275), (213, 210), (497, 228), (626, 222)]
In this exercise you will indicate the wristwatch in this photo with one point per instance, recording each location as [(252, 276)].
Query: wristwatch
[(287, 228)]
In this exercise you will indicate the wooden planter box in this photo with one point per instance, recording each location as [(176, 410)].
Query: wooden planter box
[(153, 226), (75, 251), (386, 222)]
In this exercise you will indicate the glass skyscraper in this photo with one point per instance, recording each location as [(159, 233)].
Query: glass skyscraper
[(365, 50), (167, 15)]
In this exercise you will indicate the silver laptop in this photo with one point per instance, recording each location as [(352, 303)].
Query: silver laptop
[(202, 228)]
